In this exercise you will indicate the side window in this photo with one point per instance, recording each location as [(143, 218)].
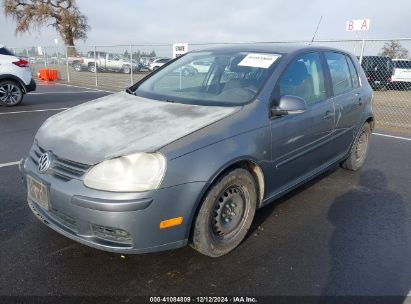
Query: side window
[(4, 51), (304, 78), (354, 74), (340, 74)]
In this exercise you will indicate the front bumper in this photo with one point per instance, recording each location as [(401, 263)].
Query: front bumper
[(116, 222)]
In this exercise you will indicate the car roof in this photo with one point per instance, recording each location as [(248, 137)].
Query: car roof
[(278, 48)]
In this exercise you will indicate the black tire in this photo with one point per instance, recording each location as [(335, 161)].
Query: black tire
[(359, 150), (77, 67), (11, 93), (225, 214), (126, 69), (92, 68), (186, 72)]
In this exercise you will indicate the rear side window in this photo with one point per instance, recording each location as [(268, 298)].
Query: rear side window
[(354, 74), (4, 51), (304, 78), (339, 71)]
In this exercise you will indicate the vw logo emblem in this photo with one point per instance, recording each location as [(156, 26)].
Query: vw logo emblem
[(44, 162)]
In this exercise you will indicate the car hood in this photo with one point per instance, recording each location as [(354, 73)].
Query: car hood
[(121, 124)]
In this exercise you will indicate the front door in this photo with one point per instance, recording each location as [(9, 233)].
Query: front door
[(301, 142)]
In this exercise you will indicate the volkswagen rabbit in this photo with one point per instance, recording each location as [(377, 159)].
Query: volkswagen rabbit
[(182, 158)]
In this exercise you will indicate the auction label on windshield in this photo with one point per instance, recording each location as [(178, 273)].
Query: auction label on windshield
[(259, 60)]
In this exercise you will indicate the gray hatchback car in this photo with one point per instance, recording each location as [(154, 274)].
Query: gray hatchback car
[(178, 159)]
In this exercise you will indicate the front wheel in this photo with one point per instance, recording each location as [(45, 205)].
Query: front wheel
[(359, 151), (226, 214), (11, 93)]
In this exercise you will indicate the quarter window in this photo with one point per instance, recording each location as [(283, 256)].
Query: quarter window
[(339, 71), (354, 75), (304, 78)]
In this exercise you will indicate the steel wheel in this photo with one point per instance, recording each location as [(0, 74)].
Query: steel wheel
[(10, 93), (361, 148), (359, 151), (225, 214), (228, 216)]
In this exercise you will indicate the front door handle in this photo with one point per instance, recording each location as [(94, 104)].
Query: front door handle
[(328, 115)]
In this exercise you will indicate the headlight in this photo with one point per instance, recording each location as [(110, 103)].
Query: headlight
[(131, 173)]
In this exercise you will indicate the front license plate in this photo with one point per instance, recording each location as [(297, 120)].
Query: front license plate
[(37, 192)]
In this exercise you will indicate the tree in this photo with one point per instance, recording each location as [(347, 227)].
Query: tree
[(394, 49), (63, 15)]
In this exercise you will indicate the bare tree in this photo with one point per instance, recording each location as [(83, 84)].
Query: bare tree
[(394, 49), (63, 15)]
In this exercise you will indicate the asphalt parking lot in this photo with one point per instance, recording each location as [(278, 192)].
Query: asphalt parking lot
[(344, 233)]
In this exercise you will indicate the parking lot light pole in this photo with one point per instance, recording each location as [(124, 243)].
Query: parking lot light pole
[(131, 64), (45, 58), (67, 65), (95, 65)]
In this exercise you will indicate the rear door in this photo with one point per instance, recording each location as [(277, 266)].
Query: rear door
[(6, 58), (347, 98), (301, 142)]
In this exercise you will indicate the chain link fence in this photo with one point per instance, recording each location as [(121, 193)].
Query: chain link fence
[(386, 63)]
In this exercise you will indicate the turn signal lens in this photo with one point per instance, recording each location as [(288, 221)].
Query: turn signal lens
[(171, 222)]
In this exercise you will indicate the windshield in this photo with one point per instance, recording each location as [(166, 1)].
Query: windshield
[(210, 78)]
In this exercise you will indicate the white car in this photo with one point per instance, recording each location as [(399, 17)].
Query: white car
[(156, 63), (201, 66), (401, 76), (15, 78)]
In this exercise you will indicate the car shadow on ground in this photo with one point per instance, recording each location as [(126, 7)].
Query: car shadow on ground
[(369, 248)]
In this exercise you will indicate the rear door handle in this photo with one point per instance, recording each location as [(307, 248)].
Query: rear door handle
[(328, 115)]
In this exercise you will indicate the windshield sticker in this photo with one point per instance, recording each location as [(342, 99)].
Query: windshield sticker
[(259, 60)]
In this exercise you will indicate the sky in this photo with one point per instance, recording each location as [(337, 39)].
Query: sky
[(197, 21)]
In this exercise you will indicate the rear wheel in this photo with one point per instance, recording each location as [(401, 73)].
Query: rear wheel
[(77, 67), (359, 151), (92, 68), (226, 214), (126, 69), (11, 93)]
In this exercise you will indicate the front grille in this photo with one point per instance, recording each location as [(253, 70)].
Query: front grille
[(61, 168)]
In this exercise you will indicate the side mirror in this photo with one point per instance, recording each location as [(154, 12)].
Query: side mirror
[(289, 105)]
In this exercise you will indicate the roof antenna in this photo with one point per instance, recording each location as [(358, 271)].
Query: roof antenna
[(315, 33)]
